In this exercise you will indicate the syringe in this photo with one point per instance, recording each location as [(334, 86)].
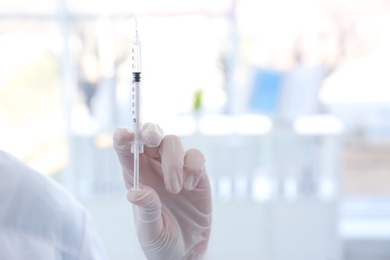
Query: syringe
[(137, 145)]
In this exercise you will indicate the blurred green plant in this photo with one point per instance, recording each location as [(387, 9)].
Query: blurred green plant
[(198, 100)]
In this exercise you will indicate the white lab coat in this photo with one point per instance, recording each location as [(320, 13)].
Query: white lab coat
[(40, 220)]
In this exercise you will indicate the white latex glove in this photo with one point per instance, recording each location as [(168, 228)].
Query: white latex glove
[(173, 208)]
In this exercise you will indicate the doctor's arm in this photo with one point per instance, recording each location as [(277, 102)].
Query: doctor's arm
[(173, 209)]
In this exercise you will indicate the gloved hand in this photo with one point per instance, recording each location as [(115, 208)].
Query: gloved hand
[(173, 208)]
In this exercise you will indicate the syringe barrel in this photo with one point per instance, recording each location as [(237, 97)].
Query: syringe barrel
[(137, 145), (136, 55)]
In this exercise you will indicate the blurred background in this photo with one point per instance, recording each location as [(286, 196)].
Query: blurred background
[(288, 100)]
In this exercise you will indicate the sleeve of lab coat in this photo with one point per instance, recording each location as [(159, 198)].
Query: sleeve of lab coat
[(91, 247), (41, 219)]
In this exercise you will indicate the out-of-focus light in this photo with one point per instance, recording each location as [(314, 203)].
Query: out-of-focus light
[(318, 125), (327, 188), (252, 124), (225, 188), (242, 124), (261, 189), (216, 125), (82, 123), (358, 82), (365, 227), (181, 125), (241, 187), (290, 187), (103, 140)]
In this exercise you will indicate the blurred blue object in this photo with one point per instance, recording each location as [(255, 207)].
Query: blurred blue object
[(266, 91)]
